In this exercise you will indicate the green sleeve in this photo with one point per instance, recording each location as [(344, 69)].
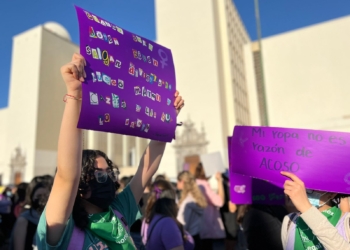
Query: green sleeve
[(41, 234), (125, 204)]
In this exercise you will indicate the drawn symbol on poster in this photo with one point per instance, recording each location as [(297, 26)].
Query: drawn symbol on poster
[(239, 189), (164, 57), (108, 100), (138, 108), (107, 118), (113, 82), (127, 122), (105, 57), (139, 123)]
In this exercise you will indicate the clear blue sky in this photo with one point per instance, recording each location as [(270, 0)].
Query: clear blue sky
[(277, 16)]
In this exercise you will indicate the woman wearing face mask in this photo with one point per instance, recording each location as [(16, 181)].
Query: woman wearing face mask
[(22, 237), (320, 224), (83, 211)]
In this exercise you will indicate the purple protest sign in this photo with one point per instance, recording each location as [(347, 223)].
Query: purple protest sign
[(247, 190), (319, 158), (130, 82)]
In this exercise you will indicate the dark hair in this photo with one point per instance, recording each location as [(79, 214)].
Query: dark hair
[(160, 177), (21, 192), (79, 213), (164, 205), (199, 172), (37, 182)]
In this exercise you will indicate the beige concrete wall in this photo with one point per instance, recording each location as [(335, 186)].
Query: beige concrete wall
[(188, 29), (307, 76), (251, 85), (4, 159), (23, 98)]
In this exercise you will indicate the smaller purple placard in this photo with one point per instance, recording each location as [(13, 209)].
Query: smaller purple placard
[(130, 83), (247, 190), (319, 158)]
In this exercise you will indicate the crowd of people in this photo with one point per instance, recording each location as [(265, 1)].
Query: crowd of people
[(85, 205)]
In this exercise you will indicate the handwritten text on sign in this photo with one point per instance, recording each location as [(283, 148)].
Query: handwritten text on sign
[(320, 158)]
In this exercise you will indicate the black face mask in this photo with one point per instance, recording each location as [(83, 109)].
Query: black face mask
[(40, 203), (102, 194)]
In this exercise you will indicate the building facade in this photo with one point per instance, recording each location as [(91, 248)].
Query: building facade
[(306, 76), (207, 40)]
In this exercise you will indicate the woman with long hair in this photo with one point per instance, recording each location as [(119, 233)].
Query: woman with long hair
[(37, 193), (83, 210), (212, 231), (160, 228), (191, 205), (319, 224)]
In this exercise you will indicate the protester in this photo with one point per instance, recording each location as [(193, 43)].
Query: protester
[(82, 209), (160, 228), (25, 228), (344, 204), (229, 216), (212, 231), (191, 206), (320, 224), (20, 196)]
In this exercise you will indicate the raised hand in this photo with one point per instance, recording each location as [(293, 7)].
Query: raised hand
[(179, 102), (73, 74), (296, 191)]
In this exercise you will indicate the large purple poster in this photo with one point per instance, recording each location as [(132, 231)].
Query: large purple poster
[(247, 190), (321, 159), (130, 82)]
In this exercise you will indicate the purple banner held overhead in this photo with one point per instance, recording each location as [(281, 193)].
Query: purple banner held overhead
[(130, 82), (247, 190), (319, 158)]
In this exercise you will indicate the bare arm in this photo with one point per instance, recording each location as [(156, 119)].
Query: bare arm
[(178, 248), (150, 160), (221, 191), (19, 234), (65, 186)]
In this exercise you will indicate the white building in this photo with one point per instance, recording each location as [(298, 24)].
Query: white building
[(206, 38), (306, 76)]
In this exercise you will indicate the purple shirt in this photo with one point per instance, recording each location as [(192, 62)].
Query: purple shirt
[(165, 234)]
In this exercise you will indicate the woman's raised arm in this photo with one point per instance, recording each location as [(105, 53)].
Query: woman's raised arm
[(60, 204), (151, 158)]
